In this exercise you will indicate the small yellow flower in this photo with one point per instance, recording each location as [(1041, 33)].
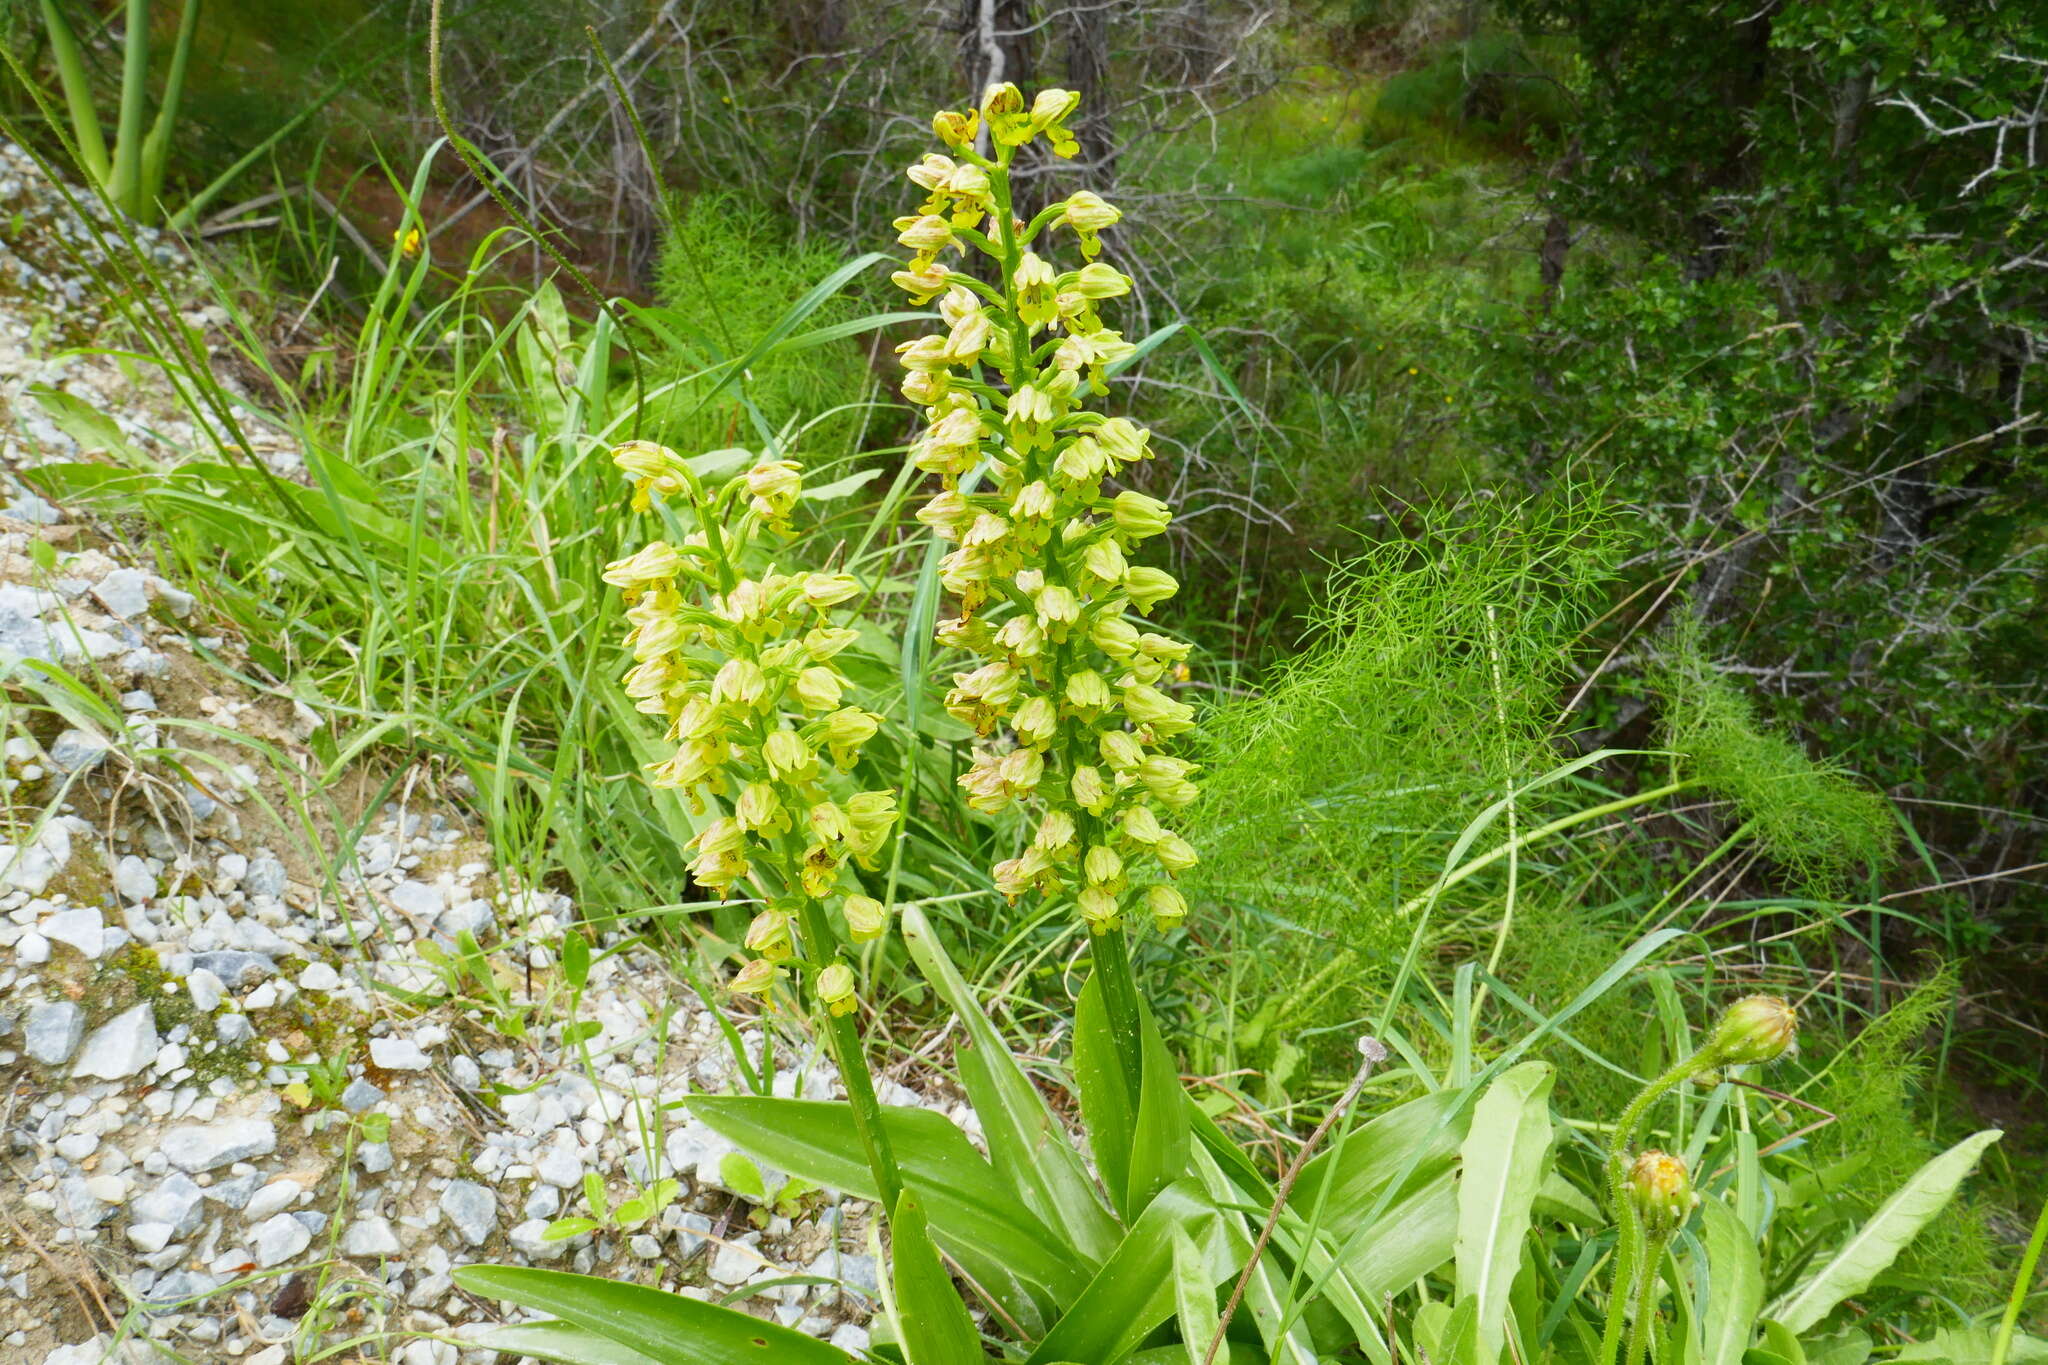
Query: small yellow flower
[(835, 988), (409, 241)]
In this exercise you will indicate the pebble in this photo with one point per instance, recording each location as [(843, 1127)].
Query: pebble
[(134, 880), (205, 990), (235, 968), (360, 1095), (53, 1032), (472, 1209), (222, 1143), (279, 1239), (560, 1166), (76, 750), (275, 1197), (318, 976), (81, 927), (398, 1054), (370, 1236), (120, 1047), (175, 1201), (124, 593)]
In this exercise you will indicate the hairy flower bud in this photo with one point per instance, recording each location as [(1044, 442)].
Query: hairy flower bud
[(1755, 1029), (1660, 1189)]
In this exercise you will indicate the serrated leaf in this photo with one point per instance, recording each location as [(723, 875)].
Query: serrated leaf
[(1874, 1246)]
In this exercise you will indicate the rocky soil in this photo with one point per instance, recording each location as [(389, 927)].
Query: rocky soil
[(279, 1054)]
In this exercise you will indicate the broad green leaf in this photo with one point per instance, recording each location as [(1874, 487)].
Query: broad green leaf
[(1374, 1154), (1871, 1250), (1736, 1283), (934, 1322), (1194, 1297), (1027, 1144), (1503, 1158), (1135, 1289), (997, 1242), (1159, 1146), (1843, 1348), (1414, 1236), (558, 1341), (667, 1329), (1972, 1346), (1105, 1099), (1783, 1343)]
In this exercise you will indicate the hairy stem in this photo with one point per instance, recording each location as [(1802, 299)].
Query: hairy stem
[(1627, 1263)]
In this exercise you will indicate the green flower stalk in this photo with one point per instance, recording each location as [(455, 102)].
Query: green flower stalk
[(1065, 688), (745, 672), (1652, 1195)]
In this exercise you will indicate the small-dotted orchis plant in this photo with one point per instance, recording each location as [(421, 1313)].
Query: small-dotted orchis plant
[(1064, 690), (744, 670)]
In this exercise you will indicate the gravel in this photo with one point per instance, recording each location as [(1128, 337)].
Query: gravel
[(120, 1047), (53, 1032)]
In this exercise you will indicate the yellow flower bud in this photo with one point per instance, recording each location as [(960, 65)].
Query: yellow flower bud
[(773, 487), (822, 590), (1167, 905), (1089, 792), (658, 562), (1150, 707), (1121, 750), (1098, 281), (1105, 560), (829, 822), (931, 172), (1055, 830), (927, 352), (1087, 693), (769, 935), (1098, 908), (1148, 587), (923, 285), (820, 871), (822, 642), (1167, 779), (1755, 1029), (1115, 637), (759, 809), (1138, 516), (927, 236), (947, 514), (817, 689), (1035, 502), (758, 977), (1021, 636), (1102, 866), (835, 988), (652, 469), (867, 919), (956, 129), (1087, 211), (1660, 1189), (1124, 440), (1082, 463), (1001, 101), (1057, 609), (1141, 826), (1036, 723), (1175, 854), (788, 757), (1021, 770), (741, 682), (1034, 283), (845, 731)]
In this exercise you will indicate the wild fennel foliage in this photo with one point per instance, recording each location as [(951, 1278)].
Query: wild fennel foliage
[(1447, 1212)]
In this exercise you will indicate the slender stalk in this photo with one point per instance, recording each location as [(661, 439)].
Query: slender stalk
[(156, 148), (1627, 1263), (852, 1060), (2001, 1347), (1646, 1302), (71, 74), (126, 188)]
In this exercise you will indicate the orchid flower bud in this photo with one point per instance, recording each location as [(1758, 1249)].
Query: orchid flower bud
[(835, 989), (1088, 790), (769, 935), (657, 562), (758, 977), (1138, 516), (956, 129), (1167, 905), (1036, 723), (1098, 908), (1148, 587), (867, 919), (1175, 854), (1150, 707)]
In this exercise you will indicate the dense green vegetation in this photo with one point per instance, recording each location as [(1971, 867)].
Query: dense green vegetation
[(1607, 462)]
